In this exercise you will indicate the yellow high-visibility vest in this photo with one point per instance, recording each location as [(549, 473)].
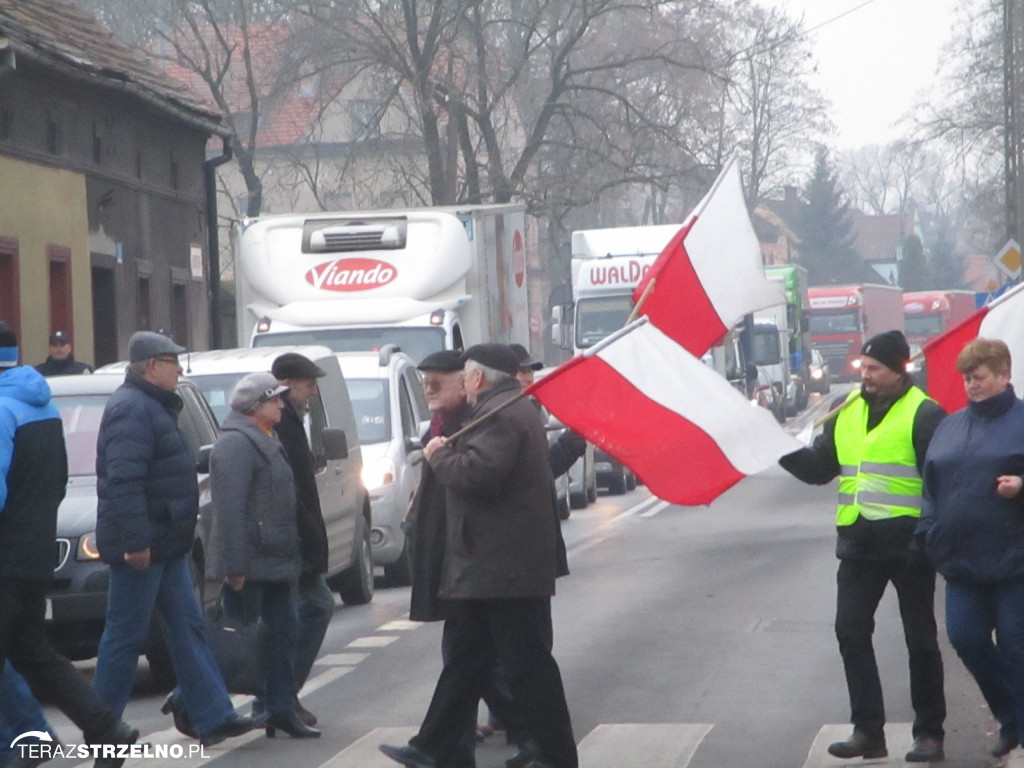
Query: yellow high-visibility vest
[(878, 475)]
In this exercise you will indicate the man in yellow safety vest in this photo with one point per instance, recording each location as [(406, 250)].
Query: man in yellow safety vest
[(876, 444)]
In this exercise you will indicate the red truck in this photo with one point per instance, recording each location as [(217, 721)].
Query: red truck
[(929, 313), (843, 317)]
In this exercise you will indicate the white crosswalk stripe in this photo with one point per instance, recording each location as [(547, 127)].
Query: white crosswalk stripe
[(665, 745), (898, 740)]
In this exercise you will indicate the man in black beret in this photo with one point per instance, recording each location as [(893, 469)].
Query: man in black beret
[(315, 599), (876, 444), (497, 483)]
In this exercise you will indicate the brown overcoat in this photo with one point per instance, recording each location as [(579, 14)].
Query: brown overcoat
[(501, 523)]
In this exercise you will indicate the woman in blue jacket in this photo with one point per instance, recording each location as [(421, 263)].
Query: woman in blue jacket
[(972, 526)]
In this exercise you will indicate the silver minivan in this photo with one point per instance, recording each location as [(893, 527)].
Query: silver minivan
[(343, 498)]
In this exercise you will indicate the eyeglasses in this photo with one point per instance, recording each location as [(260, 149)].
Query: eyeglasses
[(166, 359)]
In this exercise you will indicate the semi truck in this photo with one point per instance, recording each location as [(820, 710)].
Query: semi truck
[(843, 317), (425, 279), (930, 313)]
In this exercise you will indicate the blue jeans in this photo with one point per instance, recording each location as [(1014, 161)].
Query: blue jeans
[(275, 603), (19, 711), (973, 612), (131, 599)]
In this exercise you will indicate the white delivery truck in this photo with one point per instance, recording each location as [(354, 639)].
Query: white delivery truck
[(607, 264), (425, 279)]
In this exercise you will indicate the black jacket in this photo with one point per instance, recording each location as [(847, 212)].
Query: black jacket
[(819, 465), (66, 367), (312, 531)]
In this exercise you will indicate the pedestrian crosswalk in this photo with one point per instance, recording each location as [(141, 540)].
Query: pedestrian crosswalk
[(611, 745)]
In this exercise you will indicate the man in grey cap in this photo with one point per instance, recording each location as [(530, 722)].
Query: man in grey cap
[(145, 527), (315, 598)]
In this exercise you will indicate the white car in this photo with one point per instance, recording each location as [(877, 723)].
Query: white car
[(391, 415)]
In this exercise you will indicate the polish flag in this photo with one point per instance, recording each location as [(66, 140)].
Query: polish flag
[(1003, 318), (681, 427), (710, 274)]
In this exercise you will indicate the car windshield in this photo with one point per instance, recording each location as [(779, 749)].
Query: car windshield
[(416, 342), (372, 408), (927, 324), (216, 387), (824, 323), (81, 415)]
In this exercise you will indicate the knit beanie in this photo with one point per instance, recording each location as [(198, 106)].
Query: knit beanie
[(890, 349)]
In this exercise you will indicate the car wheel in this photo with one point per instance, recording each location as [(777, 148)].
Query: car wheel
[(578, 500), (399, 573), (355, 583), (630, 481), (617, 485)]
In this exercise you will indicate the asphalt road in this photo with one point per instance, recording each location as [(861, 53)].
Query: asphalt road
[(696, 637)]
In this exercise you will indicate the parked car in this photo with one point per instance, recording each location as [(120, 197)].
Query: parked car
[(391, 414), (343, 498), (821, 379), (76, 602)]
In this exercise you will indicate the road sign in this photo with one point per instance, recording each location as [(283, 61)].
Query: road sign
[(1007, 260)]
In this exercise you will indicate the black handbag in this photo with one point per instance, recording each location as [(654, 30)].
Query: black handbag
[(239, 648)]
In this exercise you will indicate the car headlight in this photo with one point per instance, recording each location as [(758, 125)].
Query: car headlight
[(87, 549), (855, 364), (816, 374), (378, 473)]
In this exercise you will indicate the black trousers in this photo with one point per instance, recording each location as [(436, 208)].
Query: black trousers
[(50, 675), (516, 632), (861, 585)]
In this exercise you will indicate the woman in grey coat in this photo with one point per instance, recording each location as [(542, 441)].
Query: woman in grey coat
[(255, 537)]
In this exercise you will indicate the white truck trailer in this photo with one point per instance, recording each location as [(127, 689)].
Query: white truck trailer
[(425, 279)]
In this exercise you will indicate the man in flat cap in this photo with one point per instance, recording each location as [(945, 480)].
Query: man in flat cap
[(315, 598), (498, 495), (148, 501), (876, 445), (61, 360)]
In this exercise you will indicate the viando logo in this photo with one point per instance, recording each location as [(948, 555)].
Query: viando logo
[(351, 275)]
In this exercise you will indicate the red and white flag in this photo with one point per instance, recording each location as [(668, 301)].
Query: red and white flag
[(681, 427), (710, 274), (1003, 318)]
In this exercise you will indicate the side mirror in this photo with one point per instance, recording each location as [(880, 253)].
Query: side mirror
[(335, 444), (203, 460)]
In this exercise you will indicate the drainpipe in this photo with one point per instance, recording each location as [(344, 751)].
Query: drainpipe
[(213, 238)]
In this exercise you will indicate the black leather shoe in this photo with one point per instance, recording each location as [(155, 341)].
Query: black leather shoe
[(173, 706), (1006, 744), (292, 725), (233, 726), (859, 744), (925, 750), (121, 733), (408, 755)]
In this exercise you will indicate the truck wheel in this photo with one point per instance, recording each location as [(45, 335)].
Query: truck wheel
[(617, 485), (578, 500), (630, 481), (355, 584)]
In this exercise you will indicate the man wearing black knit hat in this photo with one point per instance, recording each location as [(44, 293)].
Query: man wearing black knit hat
[(876, 444)]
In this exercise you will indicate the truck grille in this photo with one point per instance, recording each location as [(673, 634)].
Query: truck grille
[(63, 550), (835, 356)]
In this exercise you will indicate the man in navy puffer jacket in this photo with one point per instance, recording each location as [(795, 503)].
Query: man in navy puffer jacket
[(148, 503)]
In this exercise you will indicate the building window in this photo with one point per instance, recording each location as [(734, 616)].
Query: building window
[(52, 133), (144, 306), (97, 146), (6, 123), (61, 308), (10, 295)]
